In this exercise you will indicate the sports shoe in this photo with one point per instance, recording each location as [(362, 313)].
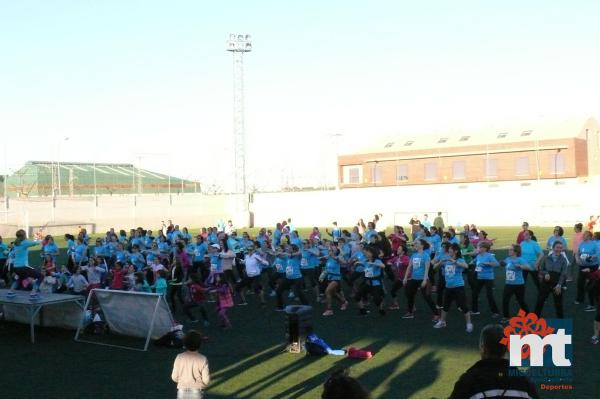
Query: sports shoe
[(475, 313), (344, 306), (328, 312), (291, 295), (594, 340), (589, 308), (408, 315), (394, 307), (272, 294), (279, 309), (576, 302), (243, 303), (194, 321), (440, 324), (438, 307), (363, 312), (469, 327)]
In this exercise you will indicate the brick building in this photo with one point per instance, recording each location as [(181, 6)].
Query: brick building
[(570, 149)]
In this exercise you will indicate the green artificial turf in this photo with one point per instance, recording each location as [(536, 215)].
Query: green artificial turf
[(412, 360)]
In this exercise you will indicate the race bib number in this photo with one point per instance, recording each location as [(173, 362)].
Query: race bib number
[(304, 262), (478, 269), (289, 271), (213, 267), (510, 275), (279, 267), (368, 272), (196, 252), (416, 263), (450, 270)]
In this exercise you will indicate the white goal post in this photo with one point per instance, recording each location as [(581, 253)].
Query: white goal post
[(133, 314)]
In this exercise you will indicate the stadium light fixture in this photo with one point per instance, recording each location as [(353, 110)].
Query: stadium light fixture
[(239, 44)]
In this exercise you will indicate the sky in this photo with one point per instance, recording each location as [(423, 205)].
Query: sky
[(150, 83)]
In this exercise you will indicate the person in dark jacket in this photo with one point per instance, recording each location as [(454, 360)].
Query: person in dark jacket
[(553, 274), (489, 378)]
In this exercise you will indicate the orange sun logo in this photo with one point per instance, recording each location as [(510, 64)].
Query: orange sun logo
[(525, 324)]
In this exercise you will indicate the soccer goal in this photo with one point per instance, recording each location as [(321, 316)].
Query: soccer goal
[(129, 314)]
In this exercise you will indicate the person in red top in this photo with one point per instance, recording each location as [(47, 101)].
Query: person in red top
[(197, 299), (117, 277), (399, 264), (397, 238), (521, 235), (592, 223)]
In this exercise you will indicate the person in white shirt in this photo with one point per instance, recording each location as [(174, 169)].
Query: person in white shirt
[(190, 369), (229, 228), (253, 262)]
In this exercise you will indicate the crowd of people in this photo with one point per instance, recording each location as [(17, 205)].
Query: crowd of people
[(335, 268)]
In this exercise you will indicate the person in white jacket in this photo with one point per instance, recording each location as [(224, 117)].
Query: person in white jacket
[(190, 369), (253, 262)]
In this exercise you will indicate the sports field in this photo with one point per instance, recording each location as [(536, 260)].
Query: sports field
[(412, 359)]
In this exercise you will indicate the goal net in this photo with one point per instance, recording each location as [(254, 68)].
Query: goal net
[(131, 314)]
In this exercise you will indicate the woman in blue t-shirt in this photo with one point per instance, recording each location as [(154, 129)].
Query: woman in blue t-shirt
[(452, 267), (515, 283), (417, 279), (21, 268), (372, 285), (293, 277), (333, 279), (485, 261)]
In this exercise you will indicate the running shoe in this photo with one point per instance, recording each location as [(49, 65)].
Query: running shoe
[(394, 307), (469, 327), (291, 295), (243, 303), (344, 306), (475, 313), (328, 312), (440, 324), (576, 302), (279, 309), (408, 315), (595, 340), (589, 308)]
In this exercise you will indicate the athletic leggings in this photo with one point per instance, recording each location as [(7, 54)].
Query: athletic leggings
[(489, 291), (311, 276), (366, 289), (455, 294), (269, 272), (250, 282), (534, 277), (24, 272), (583, 284), (412, 286), (294, 285), (175, 291), (519, 292), (396, 287), (441, 286), (546, 289)]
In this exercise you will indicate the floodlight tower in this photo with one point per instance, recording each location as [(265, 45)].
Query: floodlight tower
[(238, 45)]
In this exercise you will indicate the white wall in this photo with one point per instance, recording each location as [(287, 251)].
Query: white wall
[(502, 204)]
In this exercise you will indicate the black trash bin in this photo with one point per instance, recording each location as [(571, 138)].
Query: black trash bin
[(299, 325)]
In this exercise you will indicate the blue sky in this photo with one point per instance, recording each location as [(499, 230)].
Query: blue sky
[(150, 82)]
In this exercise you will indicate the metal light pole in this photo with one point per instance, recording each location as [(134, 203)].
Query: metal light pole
[(238, 45)]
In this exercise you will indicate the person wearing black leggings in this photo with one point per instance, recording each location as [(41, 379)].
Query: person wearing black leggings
[(514, 283), (485, 262), (418, 270)]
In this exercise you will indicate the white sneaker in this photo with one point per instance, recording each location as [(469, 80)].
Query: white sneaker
[(272, 294), (440, 324), (291, 295), (469, 327)]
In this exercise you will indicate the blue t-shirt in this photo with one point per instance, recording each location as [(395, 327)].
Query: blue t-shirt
[(368, 235), (51, 249), (277, 237), (100, 250), (70, 247), (213, 238), (216, 264), (485, 272), (137, 260), (3, 250), (453, 273), (587, 250), (530, 250), (164, 247), (292, 270), (361, 259), (121, 256), (280, 264), (373, 271), (80, 253), (332, 267), (160, 286), (200, 249), (309, 260), (552, 239), (435, 242), (418, 260), (21, 258), (514, 274)]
